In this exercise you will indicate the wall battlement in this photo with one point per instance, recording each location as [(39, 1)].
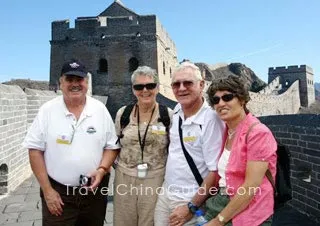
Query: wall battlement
[(290, 69), (99, 26), (272, 88), (288, 75)]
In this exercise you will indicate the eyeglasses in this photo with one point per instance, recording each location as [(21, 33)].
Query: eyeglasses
[(226, 98), (186, 84), (148, 86)]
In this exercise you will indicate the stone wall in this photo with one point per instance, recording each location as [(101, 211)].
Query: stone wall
[(35, 98), (14, 164), (272, 88), (268, 104), (301, 134)]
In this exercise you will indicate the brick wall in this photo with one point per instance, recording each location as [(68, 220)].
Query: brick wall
[(301, 134), (13, 126), (35, 98)]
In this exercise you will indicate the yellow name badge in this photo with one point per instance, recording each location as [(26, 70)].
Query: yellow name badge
[(159, 130), (189, 139), (63, 139)]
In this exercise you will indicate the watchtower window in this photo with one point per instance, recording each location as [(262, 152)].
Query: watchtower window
[(103, 66), (287, 83), (133, 64), (170, 72), (164, 68)]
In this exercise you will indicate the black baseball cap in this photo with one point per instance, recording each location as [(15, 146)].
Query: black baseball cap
[(74, 67)]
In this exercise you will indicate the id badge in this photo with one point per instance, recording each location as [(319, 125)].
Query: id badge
[(63, 139), (142, 170), (159, 130)]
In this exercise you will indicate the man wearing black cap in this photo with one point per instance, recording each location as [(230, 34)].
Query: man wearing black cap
[(71, 142)]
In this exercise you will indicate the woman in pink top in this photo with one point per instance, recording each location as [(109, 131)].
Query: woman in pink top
[(245, 196)]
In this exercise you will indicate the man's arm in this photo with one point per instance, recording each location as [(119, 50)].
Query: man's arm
[(108, 157), (182, 214), (205, 190), (52, 197)]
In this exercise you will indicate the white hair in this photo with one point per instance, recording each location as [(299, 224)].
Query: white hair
[(145, 71), (188, 64)]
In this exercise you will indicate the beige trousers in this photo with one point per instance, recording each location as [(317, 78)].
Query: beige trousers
[(135, 199), (164, 208)]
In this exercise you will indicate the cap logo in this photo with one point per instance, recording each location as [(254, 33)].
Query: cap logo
[(74, 65)]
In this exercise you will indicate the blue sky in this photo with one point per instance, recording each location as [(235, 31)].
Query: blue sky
[(258, 33)]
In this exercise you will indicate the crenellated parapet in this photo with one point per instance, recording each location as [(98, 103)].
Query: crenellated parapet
[(101, 27), (288, 75), (272, 88), (290, 69), (270, 104)]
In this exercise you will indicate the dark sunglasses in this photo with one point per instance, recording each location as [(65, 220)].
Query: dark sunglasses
[(149, 86), (226, 98), (186, 84)]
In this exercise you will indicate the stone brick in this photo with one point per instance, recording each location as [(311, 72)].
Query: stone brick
[(311, 152), (8, 218), (21, 207), (313, 212), (310, 138), (30, 216)]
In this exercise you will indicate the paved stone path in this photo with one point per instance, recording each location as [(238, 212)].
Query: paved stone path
[(22, 207)]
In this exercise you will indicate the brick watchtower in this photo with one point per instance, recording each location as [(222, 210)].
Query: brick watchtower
[(112, 45), (290, 74)]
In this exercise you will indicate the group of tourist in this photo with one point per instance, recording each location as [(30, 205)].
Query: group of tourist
[(204, 154)]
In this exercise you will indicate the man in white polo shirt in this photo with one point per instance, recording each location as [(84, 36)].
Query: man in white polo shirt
[(71, 141), (201, 136)]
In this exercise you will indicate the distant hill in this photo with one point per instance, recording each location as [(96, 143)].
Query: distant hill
[(28, 83), (222, 70)]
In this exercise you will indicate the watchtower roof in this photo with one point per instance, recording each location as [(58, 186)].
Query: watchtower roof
[(116, 9)]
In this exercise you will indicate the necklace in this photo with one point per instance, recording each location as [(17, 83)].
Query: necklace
[(231, 133)]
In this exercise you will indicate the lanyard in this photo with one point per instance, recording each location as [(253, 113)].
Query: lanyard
[(143, 142)]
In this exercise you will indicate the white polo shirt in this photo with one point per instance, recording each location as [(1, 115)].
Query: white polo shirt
[(202, 135), (71, 147)]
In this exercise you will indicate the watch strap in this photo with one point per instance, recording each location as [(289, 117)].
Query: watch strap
[(193, 208)]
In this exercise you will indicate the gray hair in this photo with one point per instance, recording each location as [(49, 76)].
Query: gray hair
[(188, 64), (145, 71)]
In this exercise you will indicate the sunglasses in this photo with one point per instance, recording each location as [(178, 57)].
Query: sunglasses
[(226, 98), (148, 86), (186, 84)]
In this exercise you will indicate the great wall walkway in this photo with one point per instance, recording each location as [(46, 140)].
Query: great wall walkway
[(22, 207)]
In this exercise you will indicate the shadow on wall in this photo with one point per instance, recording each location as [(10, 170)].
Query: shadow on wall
[(3, 179)]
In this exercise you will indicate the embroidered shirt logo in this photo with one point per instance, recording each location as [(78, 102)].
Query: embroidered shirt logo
[(74, 65), (91, 130)]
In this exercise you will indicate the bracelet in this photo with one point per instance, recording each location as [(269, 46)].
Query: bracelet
[(221, 219), (104, 169)]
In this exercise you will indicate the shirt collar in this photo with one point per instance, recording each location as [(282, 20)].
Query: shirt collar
[(198, 118), (87, 110)]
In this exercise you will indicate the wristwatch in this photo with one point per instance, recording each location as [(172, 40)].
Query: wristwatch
[(221, 219), (193, 208)]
